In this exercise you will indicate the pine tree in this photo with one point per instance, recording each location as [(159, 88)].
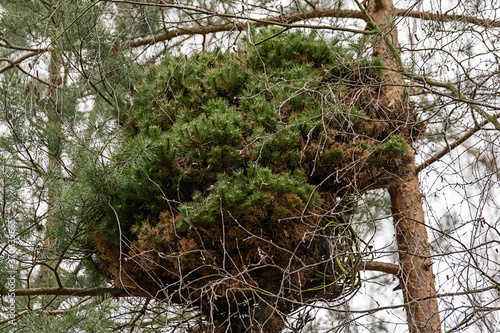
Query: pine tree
[(42, 142)]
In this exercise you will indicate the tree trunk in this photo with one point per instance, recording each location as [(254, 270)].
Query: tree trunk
[(417, 278), (54, 149), (416, 275)]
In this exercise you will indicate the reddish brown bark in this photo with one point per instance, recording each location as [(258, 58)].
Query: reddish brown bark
[(416, 275), (378, 266)]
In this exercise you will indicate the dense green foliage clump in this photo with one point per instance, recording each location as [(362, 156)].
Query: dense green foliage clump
[(247, 155), (194, 119)]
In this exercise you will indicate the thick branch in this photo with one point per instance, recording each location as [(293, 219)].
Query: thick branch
[(115, 292), (282, 20), (288, 21), (6, 44), (448, 18), (383, 267)]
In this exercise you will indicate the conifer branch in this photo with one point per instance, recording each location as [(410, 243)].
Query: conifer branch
[(139, 315), (6, 44), (35, 77), (17, 316), (120, 292)]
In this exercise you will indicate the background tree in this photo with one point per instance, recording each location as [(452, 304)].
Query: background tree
[(75, 62)]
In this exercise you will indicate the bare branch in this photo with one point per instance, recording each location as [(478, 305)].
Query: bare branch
[(283, 21), (287, 21), (454, 145), (19, 60), (454, 90), (448, 18), (6, 44)]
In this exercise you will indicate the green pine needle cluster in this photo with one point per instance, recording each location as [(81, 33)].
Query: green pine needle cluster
[(249, 191), (227, 131)]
